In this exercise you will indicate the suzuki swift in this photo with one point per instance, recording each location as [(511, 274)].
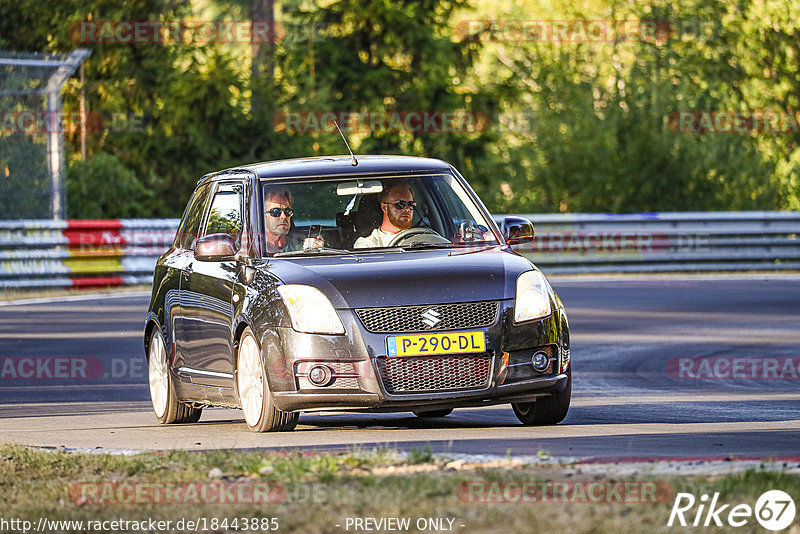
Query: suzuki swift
[(376, 284)]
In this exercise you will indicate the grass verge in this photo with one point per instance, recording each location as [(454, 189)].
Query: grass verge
[(327, 493)]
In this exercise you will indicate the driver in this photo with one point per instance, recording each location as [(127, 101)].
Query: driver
[(397, 205)]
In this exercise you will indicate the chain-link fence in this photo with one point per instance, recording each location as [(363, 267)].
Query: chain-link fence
[(32, 127)]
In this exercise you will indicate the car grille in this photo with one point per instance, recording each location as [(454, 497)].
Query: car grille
[(421, 318), (434, 373)]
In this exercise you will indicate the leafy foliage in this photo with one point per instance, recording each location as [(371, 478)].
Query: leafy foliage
[(575, 125), (598, 138), (102, 187)]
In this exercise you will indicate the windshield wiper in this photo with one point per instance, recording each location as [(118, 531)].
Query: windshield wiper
[(427, 245), (326, 251), (473, 248), (476, 244)]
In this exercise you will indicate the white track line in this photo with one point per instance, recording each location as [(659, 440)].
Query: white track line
[(74, 298)]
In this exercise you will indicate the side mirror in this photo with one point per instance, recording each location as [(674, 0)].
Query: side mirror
[(517, 230), (215, 247)]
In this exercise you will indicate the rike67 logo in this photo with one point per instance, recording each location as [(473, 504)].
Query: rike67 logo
[(774, 510)]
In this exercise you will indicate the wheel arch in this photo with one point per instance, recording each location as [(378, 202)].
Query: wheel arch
[(239, 326), (266, 335), (151, 323), (241, 323)]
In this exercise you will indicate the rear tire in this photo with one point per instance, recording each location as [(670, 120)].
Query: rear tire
[(167, 407), (252, 388), (545, 410), (434, 413)]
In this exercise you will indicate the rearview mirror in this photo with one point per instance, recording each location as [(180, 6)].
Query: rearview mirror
[(517, 230), (359, 187), (215, 247)]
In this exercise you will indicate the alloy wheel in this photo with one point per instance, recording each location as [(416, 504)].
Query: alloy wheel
[(157, 374), (249, 379)]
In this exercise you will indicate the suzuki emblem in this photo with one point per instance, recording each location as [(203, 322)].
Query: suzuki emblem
[(431, 317)]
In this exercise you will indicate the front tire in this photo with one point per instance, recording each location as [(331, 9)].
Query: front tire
[(252, 387), (167, 407), (548, 410)]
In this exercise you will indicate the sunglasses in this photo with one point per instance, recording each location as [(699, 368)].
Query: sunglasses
[(276, 212), (401, 204)]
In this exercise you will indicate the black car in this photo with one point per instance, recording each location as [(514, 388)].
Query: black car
[(330, 283)]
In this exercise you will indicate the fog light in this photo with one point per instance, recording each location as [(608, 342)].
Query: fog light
[(540, 361), (319, 375)]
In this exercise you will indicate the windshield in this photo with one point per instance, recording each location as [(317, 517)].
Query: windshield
[(359, 215)]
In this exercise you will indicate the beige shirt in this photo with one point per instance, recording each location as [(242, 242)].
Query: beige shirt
[(378, 238)]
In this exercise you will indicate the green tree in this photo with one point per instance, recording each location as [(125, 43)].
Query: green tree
[(576, 126), (184, 106), (362, 55), (596, 135), (102, 188)]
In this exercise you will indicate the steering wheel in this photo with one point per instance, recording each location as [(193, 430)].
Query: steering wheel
[(406, 235)]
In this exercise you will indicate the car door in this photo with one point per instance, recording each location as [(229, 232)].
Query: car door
[(205, 336), (176, 263)]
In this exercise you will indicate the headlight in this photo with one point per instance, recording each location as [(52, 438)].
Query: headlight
[(533, 298), (310, 310)]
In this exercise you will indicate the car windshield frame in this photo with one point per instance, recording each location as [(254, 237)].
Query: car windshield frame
[(435, 199)]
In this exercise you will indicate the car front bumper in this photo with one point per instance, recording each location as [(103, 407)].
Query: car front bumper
[(361, 384), (375, 402)]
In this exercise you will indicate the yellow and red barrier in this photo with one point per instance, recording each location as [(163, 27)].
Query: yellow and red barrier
[(124, 251), (82, 253)]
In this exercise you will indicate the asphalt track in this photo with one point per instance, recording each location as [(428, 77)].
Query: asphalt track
[(72, 374)]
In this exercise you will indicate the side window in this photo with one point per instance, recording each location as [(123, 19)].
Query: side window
[(194, 214), (225, 215), (176, 242)]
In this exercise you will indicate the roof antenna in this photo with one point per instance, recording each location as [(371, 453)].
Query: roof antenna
[(355, 161)]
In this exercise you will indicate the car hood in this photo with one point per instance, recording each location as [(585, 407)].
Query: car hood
[(400, 278)]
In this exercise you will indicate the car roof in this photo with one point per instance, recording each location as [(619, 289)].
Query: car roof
[(338, 166)]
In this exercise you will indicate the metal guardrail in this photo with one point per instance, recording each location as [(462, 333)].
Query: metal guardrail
[(665, 242), (46, 253), (117, 252)]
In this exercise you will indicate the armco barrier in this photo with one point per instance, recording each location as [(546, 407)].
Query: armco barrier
[(664, 242), (81, 253), (117, 252)]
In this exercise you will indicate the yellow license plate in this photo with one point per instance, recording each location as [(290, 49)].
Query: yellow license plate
[(432, 344)]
